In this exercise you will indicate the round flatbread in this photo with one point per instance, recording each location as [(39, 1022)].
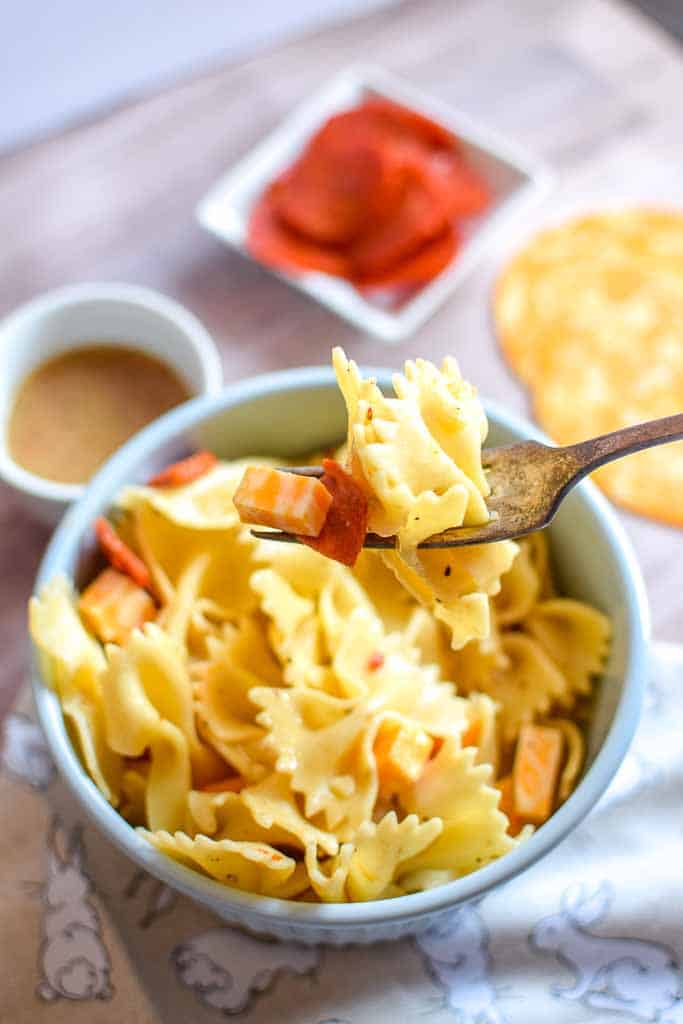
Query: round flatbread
[(590, 316)]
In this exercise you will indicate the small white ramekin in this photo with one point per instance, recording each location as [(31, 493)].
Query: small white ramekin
[(94, 314)]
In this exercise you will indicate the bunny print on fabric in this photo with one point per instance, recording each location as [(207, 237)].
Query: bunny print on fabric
[(634, 976), (226, 968), (24, 754), (159, 899), (73, 959), (457, 956)]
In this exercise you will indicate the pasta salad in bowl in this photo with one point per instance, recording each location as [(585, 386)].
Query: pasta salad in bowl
[(314, 740)]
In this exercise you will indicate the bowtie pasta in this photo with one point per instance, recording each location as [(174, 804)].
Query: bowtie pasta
[(305, 729)]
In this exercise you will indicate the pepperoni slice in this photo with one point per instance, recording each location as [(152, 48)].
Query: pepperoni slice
[(421, 216), (394, 117), (418, 269), (344, 531), (119, 555), (184, 471), (270, 240), (343, 182), (468, 194)]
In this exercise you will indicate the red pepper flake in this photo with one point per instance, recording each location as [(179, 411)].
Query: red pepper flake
[(375, 661), (369, 414)]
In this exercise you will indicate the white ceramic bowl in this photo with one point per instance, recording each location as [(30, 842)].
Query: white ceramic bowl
[(96, 314), (291, 414), (517, 181)]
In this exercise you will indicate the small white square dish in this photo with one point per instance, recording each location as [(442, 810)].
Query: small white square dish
[(515, 179)]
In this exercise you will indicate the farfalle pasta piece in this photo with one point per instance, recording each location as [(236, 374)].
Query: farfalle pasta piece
[(160, 667), (135, 728), (246, 757), (222, 682), (380, 849), (402, 467), (69, 655), (286, 609), (254, 867), (328, 877), (172, 546), (176, 616), (473, 569), (147, 704), (527, 686), (325, 746), (236, 662), (457, 790), (73, 662), (419, 458), (466, 618), (575, 636), (273, 805), (520, 587), (266, 813), (451, 411), (340, 597), (304, 569), (417, 693), (468, 665), (303, 594), (226, 816), (206, 621), (428, 636), (455, 585), (294, 632), (359, 661), (204, 504), (478, 660), (391, 602)]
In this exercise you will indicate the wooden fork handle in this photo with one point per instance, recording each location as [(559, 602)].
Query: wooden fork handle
[(599, 450)]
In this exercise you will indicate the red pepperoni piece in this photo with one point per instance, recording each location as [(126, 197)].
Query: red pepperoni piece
[(342, 536)]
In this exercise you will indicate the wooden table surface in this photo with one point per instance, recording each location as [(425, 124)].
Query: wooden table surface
[(589, 85)]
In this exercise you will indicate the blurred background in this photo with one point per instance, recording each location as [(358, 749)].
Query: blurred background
[(72, 60)]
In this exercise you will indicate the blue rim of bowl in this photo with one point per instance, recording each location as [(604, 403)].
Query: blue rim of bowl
[(262, 910)]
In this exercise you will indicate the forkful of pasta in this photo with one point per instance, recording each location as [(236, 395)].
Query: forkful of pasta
[(326, 507)]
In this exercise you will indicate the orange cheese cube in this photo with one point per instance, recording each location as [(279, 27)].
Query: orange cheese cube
[(507, 805), (112, 606), (286, 501), (401, 752), (536, 770)]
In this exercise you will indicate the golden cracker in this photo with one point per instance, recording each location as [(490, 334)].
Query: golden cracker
[(590, 315)]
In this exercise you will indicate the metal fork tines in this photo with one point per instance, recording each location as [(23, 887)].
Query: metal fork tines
[(527, 481)]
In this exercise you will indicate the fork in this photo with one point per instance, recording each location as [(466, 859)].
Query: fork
[(528, 482)]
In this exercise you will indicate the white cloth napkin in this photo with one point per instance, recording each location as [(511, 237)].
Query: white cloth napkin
[(594, 933)]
